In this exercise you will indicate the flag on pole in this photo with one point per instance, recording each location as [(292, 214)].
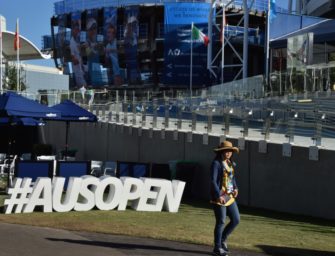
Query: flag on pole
[(17, 43), (0, 57), (199, 36), (272, 11)]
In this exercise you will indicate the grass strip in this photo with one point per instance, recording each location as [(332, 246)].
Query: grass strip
[(194, 223)]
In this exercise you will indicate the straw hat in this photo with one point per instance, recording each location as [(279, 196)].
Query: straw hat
[(226, 145)]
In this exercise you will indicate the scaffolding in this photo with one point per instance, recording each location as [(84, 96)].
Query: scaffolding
[(220, 11)]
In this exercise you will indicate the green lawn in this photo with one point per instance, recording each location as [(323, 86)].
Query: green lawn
[(194, 223)]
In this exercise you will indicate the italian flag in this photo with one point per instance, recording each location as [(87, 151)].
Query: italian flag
[(199, 36)]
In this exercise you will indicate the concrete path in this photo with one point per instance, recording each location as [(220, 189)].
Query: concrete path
[(20, 240)]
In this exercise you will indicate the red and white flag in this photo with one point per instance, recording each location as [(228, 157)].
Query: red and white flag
[(17, 44)]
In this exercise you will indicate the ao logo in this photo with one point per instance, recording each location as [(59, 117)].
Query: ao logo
[(174, 52)]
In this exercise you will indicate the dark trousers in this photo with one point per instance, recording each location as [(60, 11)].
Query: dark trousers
[(221, 232)]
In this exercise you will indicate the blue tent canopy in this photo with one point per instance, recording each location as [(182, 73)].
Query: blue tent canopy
[(70, 111), (26, 121), (12, 104)]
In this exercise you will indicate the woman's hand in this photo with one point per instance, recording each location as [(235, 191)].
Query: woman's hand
[(235, 193), (222, 200)]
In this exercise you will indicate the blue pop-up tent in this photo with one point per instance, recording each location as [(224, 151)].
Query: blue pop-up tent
[(71, 112), (20, 111), (12, 104), (25, 121)]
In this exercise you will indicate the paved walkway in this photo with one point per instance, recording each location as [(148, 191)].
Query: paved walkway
[(27, 241)]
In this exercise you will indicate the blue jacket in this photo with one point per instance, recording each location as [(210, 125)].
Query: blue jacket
[(217, 169)]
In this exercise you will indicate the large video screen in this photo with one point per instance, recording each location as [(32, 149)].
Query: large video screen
[(88, 50), (114, 74), (131, 30), (132, 46)]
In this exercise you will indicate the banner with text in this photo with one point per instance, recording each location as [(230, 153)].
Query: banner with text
[(177, 45)]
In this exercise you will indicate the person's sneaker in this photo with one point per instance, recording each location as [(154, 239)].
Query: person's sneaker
[(219, 252), (225, 247)]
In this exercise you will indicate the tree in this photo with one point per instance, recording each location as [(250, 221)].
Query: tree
[(10, 77)]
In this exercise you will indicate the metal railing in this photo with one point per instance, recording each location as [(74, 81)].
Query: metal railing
[(304, 119), (297, 120)]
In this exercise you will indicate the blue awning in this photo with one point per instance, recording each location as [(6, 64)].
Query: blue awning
[(286, 25), (70, 111), (25, 121), (12, 104)]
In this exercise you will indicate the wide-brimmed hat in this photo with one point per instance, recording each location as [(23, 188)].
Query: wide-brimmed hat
[(226, 145)]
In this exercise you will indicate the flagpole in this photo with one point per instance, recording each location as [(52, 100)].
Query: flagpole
[(191, 61), (267, 45), (18, 57), (1, 58), (223, 41)]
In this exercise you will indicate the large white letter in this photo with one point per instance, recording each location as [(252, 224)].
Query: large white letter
[(88, 201), (71, 196), (132, 190), (114, 194), (173, 196), (41, 195), (154, 192)]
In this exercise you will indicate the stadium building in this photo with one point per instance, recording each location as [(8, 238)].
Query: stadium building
[(148, 43)]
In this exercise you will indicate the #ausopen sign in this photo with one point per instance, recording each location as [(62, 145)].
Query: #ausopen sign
[(86, 192)]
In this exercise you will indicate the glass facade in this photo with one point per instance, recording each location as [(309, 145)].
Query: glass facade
[(145, 62), (68, 6), (307, 64)]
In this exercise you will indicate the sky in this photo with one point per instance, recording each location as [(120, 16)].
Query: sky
[(34, 20)]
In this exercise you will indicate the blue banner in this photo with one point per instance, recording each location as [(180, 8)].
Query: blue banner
[(110, 46), (78, 67), (61, 39), (131, 29), (177, 44), (93, 49)]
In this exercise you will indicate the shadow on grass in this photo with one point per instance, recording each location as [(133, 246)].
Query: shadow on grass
[(129, 246), (251, 211), (286, 216), (287, 251)]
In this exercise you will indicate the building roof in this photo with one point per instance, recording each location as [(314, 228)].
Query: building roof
[(28, 50)]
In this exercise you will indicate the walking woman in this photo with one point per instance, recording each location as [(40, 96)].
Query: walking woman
[(223, 193)]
